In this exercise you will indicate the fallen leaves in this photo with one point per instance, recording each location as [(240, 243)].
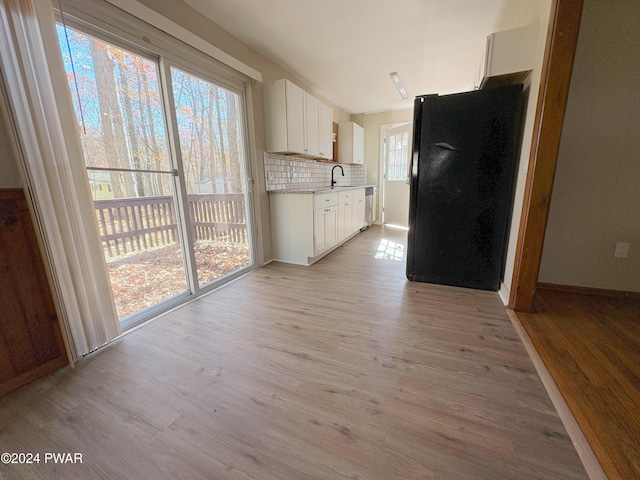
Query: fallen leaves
[(141, 280)]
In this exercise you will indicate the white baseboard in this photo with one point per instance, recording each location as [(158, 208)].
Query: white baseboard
[(504, 294)]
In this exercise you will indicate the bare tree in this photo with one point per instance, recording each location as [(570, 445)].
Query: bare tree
[(154, 148), (223, 153), (132, 136), (110, 116), (234, 142)]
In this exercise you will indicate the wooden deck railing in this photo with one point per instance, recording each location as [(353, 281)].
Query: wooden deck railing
[(137, 224)]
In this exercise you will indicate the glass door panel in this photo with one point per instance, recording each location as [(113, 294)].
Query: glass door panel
[(209, 125), (118, 103)]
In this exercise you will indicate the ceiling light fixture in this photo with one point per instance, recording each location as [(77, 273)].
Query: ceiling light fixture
[(395, 78)]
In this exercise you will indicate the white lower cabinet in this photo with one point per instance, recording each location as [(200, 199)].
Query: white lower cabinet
[(358, 200), (325, 233), (345, 214), (304, 227)]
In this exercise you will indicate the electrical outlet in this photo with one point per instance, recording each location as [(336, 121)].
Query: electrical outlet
[(622, 250), (270, 176)]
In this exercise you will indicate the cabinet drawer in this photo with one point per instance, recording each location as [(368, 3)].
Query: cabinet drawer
[(325, 200), (346, 197)]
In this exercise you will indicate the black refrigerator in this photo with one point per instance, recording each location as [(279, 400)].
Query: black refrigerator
[(462, 177)]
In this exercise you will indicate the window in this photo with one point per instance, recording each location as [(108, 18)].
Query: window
[(398, 150)]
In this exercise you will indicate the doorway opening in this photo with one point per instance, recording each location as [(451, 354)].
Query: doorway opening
[(395, 153)]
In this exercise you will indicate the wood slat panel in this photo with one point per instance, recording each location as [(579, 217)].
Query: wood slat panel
[(13, 317), (30, 338)]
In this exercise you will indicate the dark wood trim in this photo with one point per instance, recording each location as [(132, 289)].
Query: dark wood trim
[(34, 374), (11, 193), (600, 292), (562, 39)]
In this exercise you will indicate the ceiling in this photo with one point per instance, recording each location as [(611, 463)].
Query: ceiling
[(345, 49)]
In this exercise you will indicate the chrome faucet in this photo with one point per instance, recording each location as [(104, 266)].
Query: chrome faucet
[(333, 182)]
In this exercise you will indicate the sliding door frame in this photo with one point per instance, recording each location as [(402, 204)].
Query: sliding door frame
[(176, 150), (106, 27)]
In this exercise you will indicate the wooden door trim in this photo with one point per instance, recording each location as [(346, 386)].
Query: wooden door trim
[(562, 39)]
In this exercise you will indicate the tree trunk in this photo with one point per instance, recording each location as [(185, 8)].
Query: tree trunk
[(136, 154), (153, 146), (108, 104), (221, 131), (198, 121), (234, 142)]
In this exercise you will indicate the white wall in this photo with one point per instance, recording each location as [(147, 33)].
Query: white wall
[(371, 123), (596, 194)]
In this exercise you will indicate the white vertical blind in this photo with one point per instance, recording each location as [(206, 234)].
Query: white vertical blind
[(52, 159)]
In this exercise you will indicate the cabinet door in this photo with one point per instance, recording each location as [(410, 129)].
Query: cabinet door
[(331, 226), (341, 225), (359, 219), (295, 100), (325, 125), (319, 231), (312, 115), (349, 217), (351, 144), (358, 144), (345, 219)]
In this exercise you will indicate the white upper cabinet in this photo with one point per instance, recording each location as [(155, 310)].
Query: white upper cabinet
[(325, 132), (296, 122), (295, 98), (312, 118), (509, 56), (284, 111), (350, 143)]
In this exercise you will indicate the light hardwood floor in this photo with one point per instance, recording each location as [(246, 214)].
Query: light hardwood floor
[(342, 370), (591, 347)]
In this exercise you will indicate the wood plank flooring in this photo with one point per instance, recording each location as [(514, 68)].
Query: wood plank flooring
[(341, 370), (591, 347)]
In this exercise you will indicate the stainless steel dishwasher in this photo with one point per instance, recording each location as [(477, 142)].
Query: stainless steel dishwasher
[(368, 207)]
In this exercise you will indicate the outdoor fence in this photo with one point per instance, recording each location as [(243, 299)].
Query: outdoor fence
[(137, 224)]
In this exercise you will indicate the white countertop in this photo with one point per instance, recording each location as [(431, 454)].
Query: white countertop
[(322, 190)]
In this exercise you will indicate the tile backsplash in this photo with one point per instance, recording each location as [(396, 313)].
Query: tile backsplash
[(284, 172)]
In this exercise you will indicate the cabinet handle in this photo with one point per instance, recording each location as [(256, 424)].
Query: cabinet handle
[(326, 199)]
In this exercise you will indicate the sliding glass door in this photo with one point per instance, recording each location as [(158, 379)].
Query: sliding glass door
[(166, 164), (211, 146)]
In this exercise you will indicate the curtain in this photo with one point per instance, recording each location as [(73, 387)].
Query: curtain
[(55, 174)]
